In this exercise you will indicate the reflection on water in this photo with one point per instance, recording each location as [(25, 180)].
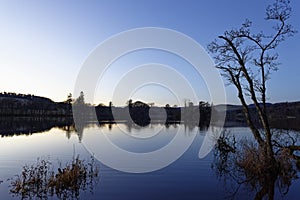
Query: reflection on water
[(234, 161), (10, 126), (241, 163)]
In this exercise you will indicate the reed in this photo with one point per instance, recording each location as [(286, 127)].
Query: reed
[(40, 180)]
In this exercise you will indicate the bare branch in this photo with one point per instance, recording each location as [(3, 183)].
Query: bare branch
[(247, 59)]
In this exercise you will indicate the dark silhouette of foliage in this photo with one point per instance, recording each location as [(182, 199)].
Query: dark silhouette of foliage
[(80, 100)]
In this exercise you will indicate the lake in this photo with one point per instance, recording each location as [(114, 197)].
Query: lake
[(188, 177)]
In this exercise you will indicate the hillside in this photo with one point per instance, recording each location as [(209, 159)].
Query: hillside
[(281, 115), (12, 104)]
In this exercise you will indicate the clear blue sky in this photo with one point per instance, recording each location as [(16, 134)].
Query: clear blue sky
[(44, 43)]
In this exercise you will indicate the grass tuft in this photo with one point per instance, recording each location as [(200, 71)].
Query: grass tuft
[(40, 180)]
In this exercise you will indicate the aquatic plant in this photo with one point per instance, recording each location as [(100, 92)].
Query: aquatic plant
[(41, 181)]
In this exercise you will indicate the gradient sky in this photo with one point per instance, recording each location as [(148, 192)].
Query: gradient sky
[(43, 44)]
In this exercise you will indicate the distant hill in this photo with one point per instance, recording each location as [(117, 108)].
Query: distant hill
[(281, 115), (12, 104)]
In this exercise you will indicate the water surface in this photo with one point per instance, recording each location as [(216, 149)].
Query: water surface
[(189, 177)]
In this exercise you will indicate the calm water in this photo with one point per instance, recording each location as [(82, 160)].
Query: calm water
[(187, 178)]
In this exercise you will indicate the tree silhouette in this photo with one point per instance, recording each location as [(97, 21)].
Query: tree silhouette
[(80, 100), (129, 103), (69, 99), (247, 60)]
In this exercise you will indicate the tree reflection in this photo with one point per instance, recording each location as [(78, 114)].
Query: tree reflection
[(242, 163), (130, 126)]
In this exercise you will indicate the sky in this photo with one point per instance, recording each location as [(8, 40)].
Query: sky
[(44, 44)]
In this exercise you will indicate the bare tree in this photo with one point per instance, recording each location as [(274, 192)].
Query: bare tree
[(247, 59)]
